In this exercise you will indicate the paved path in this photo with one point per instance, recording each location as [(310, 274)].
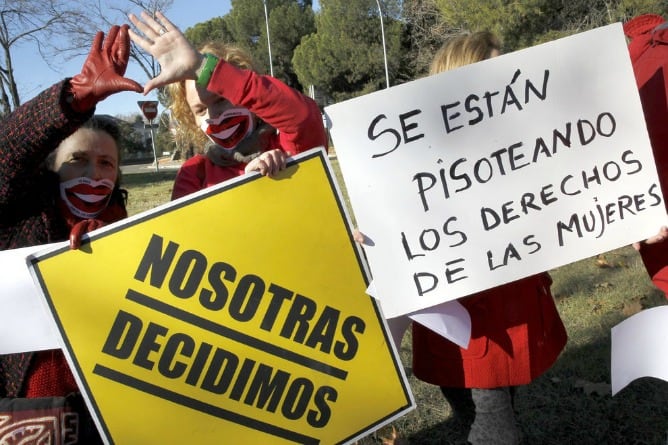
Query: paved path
[(163, 164)]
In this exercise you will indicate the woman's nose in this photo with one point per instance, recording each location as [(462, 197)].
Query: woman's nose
[(93, 171)]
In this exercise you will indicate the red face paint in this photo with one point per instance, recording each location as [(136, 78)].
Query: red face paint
[(85, 197), (230, 128)]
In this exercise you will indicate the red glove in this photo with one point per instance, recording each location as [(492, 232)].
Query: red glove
[(80, 229), (103, 71)]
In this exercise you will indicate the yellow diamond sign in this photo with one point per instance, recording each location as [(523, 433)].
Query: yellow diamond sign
[(236, 315)]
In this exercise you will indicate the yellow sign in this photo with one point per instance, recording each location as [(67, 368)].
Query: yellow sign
[(238, 315)]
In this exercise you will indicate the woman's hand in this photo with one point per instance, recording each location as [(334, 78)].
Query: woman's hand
[(268, 163), (659, 237), (103, 71), (82, 228), (178, 59)]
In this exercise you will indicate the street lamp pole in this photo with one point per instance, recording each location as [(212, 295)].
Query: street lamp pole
[(382, 31), (266, 19)]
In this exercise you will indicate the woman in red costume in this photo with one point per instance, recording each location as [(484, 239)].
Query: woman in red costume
[(516, 331), (59, 178), (243, 121), (648, 48)]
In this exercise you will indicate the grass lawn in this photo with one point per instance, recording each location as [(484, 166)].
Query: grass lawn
[(148, 190), (571, 403)]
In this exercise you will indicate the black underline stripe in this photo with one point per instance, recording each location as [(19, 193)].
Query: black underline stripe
[(237, 336), (198, 405)]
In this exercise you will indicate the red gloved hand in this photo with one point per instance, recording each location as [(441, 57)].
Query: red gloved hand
[(103, 71), (80, 229)]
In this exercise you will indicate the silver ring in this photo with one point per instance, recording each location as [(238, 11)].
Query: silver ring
[(162, 31)]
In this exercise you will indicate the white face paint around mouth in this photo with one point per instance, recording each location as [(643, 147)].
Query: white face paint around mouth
[(229, 128), (85, 197)]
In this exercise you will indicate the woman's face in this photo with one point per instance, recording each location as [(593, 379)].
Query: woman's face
[(87, 153), (87, 165), (203, 103), (225, 124)]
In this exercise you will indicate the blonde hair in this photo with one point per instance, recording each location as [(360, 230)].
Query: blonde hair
[(463, 50), (177, 91)]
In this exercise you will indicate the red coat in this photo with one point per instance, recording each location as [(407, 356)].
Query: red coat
[(516, 335), (649, 55), (296, 117)]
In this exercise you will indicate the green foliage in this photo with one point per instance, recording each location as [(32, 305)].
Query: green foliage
[(164, 139), (626, 9), (530, 22), (131, 141), (211, 30), (503, 17), (148, 189), (339, 49), (246, 21), (345, 56), (246, 27), (288, 24)]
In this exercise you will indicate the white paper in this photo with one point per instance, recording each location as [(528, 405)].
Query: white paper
[(25, 322), (639, 348), (450, 320)]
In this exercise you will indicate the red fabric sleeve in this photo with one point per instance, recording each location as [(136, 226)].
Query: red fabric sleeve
[(50, 376), (189, 178), (296, 116)]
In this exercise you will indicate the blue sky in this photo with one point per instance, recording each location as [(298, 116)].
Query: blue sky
[(34, 75)]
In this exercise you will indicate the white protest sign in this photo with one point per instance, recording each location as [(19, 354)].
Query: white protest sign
[(498, 170)]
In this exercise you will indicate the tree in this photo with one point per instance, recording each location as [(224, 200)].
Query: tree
[(529, 22), (214, 29), (132, 142), (289, 22), (34, 22), (345, 55), (423, 34), (164, 139)]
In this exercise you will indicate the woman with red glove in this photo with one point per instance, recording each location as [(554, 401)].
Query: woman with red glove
[(59, 178), (243, 121)]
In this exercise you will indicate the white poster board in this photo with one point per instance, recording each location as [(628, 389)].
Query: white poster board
[(25, 322), (498, 170)]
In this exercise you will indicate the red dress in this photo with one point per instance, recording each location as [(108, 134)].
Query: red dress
[(296, 117), (649, 55), (516, 335)]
